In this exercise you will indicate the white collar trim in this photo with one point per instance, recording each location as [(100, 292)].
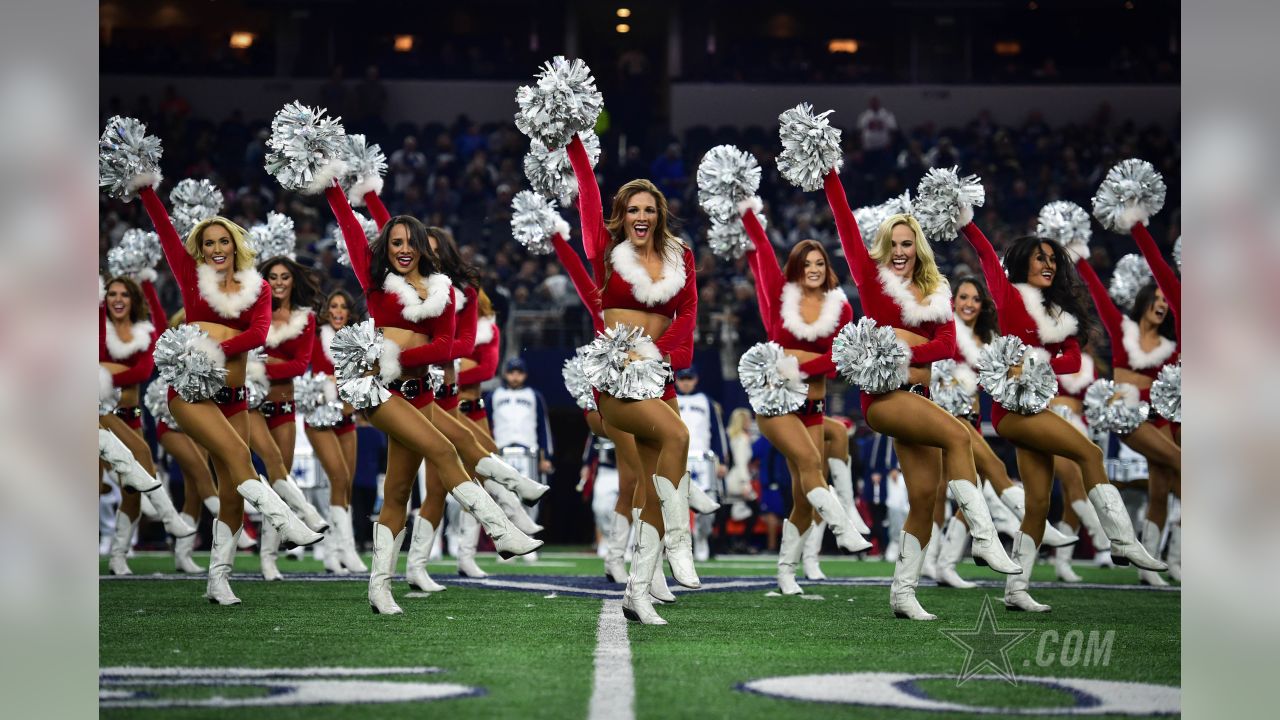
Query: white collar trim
[(288, 330), (935, 308), (1140, 359), (1076, 382), (459, 299), (1052, 327), (485, 330), (140, 332), (326, 340), (825, 324), (228, 305), (968, 343), (645, 289), (414, 307)]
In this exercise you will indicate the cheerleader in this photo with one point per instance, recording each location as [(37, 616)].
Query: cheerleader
[(1044, 311), (900, 287), (803, 307), (412, 304), (835, 440)]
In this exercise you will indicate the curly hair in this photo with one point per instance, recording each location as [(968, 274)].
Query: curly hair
[(1067, 291)]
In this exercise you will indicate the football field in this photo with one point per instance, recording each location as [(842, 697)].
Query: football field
[(547, 640)]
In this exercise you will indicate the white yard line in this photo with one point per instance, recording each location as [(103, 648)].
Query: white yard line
[(613, 691)]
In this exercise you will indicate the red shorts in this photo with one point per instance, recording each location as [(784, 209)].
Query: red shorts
[(278, 413), (132, 416), (669, 391), (475, 410), (161, 428), (811, 412), (230, 400), (448, 398)]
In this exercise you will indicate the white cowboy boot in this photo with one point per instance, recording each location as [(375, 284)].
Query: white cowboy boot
[(276, 513), (954, 540), (415, 569), (703, 525), (222, 558), (1016, 596), (182, 549), (120, 542), (1062, 558), (699, 501), (1015, 499), (1119, 528), (658, 588), (350, 556), (1089, 520), (174, 524), (507, 539), (289, 491), (842, 481), (510, 504), (1151, 534), (1005, 520), (812, 550), (126, 468), (987, 549), (334, 542), (386, 549), (1175, 552), (789, 551), (619, 531), (828, 507), (929, 568), (468, 538), (675, 516), (493, 467), (906, 576), (243, 541), (636, 604), (269, 553)]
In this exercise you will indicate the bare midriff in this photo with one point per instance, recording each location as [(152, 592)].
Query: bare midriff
[(407, 340), (817, 383), (128, 395), (653, 324), (235, 363), (1137, 379)]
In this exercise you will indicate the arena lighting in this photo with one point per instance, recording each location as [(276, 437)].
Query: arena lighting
[(624, 12), (843, 45), (623, 28), (241, 40), (1008, 47), (404, 43)]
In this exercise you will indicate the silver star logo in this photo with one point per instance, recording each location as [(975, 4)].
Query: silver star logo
[(986, 645)]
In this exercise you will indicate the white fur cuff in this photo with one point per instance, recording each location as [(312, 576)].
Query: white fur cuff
[(362, 187), (753, 203), (389, 361)]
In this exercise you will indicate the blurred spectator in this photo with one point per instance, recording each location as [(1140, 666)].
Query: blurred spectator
[(877, 125), (333, 93), (407, 166)]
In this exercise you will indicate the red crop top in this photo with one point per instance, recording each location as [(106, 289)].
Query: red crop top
[(247, 310), (1166, 279), (485, 353), (464, 335), (292, 344), (136, 353)]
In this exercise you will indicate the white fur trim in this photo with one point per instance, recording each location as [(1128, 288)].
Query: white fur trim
[(789, 368), (645, 289), (288, 330), (935, 308), (1128, 394), (1076, 382), (966, 379), (646, 349), (1133, 215), (389, 361), (414, 307), (256, 371), (485, 331), (966, 215), (119, 349), (1037, 352), (1052, 328), (146, 275), (1077, 251), (832, 303), (968, 343), (326, 340), (106, 385), (143, 179), (363, 186), (1139, 359), (210, 349), (459, 299), (753, 203), (561, 227), (330, 388), (226, 305), (325, 176)]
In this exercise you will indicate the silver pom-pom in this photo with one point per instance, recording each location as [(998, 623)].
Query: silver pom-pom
[(563, 100), (1064, 222), (198, 198), (365, 167), (945, 201), (1128, 278), (1130, 194), (256, 384), (1028, 393), (575, 381), (316, 399), (356, 350), (306, 150), (137, 251), (108, 393), (274, 238), (550, 172), (772, 380), (1166, 392), (1110, 406), (810, 147), (1066, 413), (156, 400), (953, 387), (871, 356), (608, 364), (1177, 253), (729, 240), (340, 242), (435, 377), (726, 177), (128, 158), (871, 217), (533, 221), (190, 362)]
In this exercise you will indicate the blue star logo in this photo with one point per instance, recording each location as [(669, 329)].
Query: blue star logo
[(987, 646)]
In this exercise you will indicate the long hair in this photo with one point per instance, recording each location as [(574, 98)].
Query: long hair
[(1066, 292), (244, 254), (451, 262), (138, 310), (354, 315), (380, 267), (306, 289), (739, 423), (485, 308), (794, 269), (987, 326), (925, 275), (1145, 298), (664, 240)]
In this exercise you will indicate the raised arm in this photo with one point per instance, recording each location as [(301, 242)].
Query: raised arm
[(686, 320), (1107, 310), (296, 365), (861, 266), (1166, 279), (997, 282), (180, 261), (256, 335), (764, 263), (158, 316), (352, 234), (464, 336), (377, 210), (587, 289), (595, 237)]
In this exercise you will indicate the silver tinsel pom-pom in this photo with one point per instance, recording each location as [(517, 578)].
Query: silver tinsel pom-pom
[(729, 240), (128, 158), (1028, 393), (1114, 407), (156, 400), (726, 177), (810, 147), (608, 365), (772, 380), (256, 385), (306, 150), (1066, 413), (953, 387), (340, 242), (562, 101), (365, 167), (138, 250), (1064, 222), (944, 202), (1177, 253), (316, 399), (533, 221), (1130, 194), (435, 376), (871, 217), (108, 393), (1166, 392), (275, 237), (356, 350), (871, 356), (550, 172), (198, 193), (190, 362), (575, 381), (1128, 278)]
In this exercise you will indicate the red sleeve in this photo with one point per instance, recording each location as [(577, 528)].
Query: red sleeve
[(588, 292), (256, 335), (440, 349), (1107, 310), (319, 361), (686, 319), (296, 365), (377, 210), (763, 260), (1166, 279), (595, 236), (139, 371), (861, 266), (352, 234), (1068, 359), (1002, 291), (487, 361), (180, 261), (158, 316), (464, 337), (941, 347), (682, 357)]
